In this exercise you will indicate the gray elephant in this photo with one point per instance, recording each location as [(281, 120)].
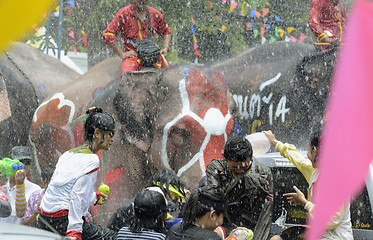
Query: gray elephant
[(178, 118), (280, 86), (26, 77)]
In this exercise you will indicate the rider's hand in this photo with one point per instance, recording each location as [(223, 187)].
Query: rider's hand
[(129, 54), (164, 51)]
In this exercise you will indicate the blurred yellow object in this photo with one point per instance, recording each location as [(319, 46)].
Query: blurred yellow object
[(105, 189), (18, 16), (169, 216)]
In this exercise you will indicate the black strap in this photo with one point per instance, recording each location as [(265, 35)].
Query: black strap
[(149, 21)]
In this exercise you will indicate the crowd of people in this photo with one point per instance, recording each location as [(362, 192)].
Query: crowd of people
[(235, 195)]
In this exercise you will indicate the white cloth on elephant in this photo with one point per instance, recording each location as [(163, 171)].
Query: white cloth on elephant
[(11, 194), (72, 186)]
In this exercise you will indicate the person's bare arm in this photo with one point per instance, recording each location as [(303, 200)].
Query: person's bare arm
[(296, 198), (119, 51), (271, 137), (166, 44)]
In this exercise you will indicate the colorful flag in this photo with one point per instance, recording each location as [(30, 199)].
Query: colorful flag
[(290, 29), (302, 37), (278, 19), (282, 32), (277, 31), (256, 32), (72, 3), (351, 102), (265, 11), (262, 30), (293, 39), (252, 14)]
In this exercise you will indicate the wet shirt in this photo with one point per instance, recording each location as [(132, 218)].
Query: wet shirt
[(33, 203), (11, 194), (340, 224), (127, 24), (70, 191), (126, 234), (190, 233)]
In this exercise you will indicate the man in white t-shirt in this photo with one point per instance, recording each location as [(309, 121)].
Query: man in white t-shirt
[(17, 188)]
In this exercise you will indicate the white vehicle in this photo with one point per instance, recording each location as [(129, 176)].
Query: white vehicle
[(11, 231)]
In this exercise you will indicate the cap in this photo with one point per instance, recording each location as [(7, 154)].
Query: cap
[(21, 153), (152, 202)]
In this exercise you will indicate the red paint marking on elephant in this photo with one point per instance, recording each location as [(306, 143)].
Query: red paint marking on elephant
[(52, 127), (205, 91)]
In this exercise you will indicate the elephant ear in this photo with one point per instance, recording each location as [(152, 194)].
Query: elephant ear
[(134, 106)]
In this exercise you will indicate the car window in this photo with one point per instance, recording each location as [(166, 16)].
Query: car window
[(284, 180)]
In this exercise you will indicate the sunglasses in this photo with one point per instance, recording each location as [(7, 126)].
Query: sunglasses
[(25, 162)]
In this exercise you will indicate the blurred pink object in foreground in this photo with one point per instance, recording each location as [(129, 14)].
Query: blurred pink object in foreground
[(346, 149)]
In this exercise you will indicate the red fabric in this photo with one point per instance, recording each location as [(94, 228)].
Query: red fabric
[(59, 213), (98, 195), (327, 16), (125, 23), (93, 170), (3, 197), (74, 234), (134, 64)]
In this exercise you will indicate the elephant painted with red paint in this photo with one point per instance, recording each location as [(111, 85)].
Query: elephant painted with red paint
[(27, 76), (176, 118)]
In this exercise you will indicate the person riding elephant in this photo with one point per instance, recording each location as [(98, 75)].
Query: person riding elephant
[(327, 21), (132, 22)]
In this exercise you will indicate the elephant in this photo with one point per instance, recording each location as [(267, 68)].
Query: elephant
[(27, 76), (280, 86), (165, 118), (177, 118)]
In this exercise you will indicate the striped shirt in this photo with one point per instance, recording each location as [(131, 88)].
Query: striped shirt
[(126, 234)]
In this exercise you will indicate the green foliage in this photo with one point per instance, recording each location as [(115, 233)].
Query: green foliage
[(220, 33)]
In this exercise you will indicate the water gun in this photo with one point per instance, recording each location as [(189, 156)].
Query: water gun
[(105, 189), (242, 234), (9, 167)]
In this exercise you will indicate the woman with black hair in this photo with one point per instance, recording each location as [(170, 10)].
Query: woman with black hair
[(150, 208), (171, 186), (202, 213), (70, 192)]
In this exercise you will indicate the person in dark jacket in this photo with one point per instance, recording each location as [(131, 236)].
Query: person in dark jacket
[(247, 184)]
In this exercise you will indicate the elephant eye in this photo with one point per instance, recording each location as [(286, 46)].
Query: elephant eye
[(176, 131)]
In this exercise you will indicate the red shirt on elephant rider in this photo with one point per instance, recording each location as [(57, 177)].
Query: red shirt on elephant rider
[(327, 21), (131, 21)]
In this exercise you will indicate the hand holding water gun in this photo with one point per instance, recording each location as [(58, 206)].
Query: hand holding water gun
[(9, 167)]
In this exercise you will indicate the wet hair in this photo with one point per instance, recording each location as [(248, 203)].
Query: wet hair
[(150, 212), (47, 172), (97, 119), (315, 139), (202, 201), (163, 179), (237, 149)]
